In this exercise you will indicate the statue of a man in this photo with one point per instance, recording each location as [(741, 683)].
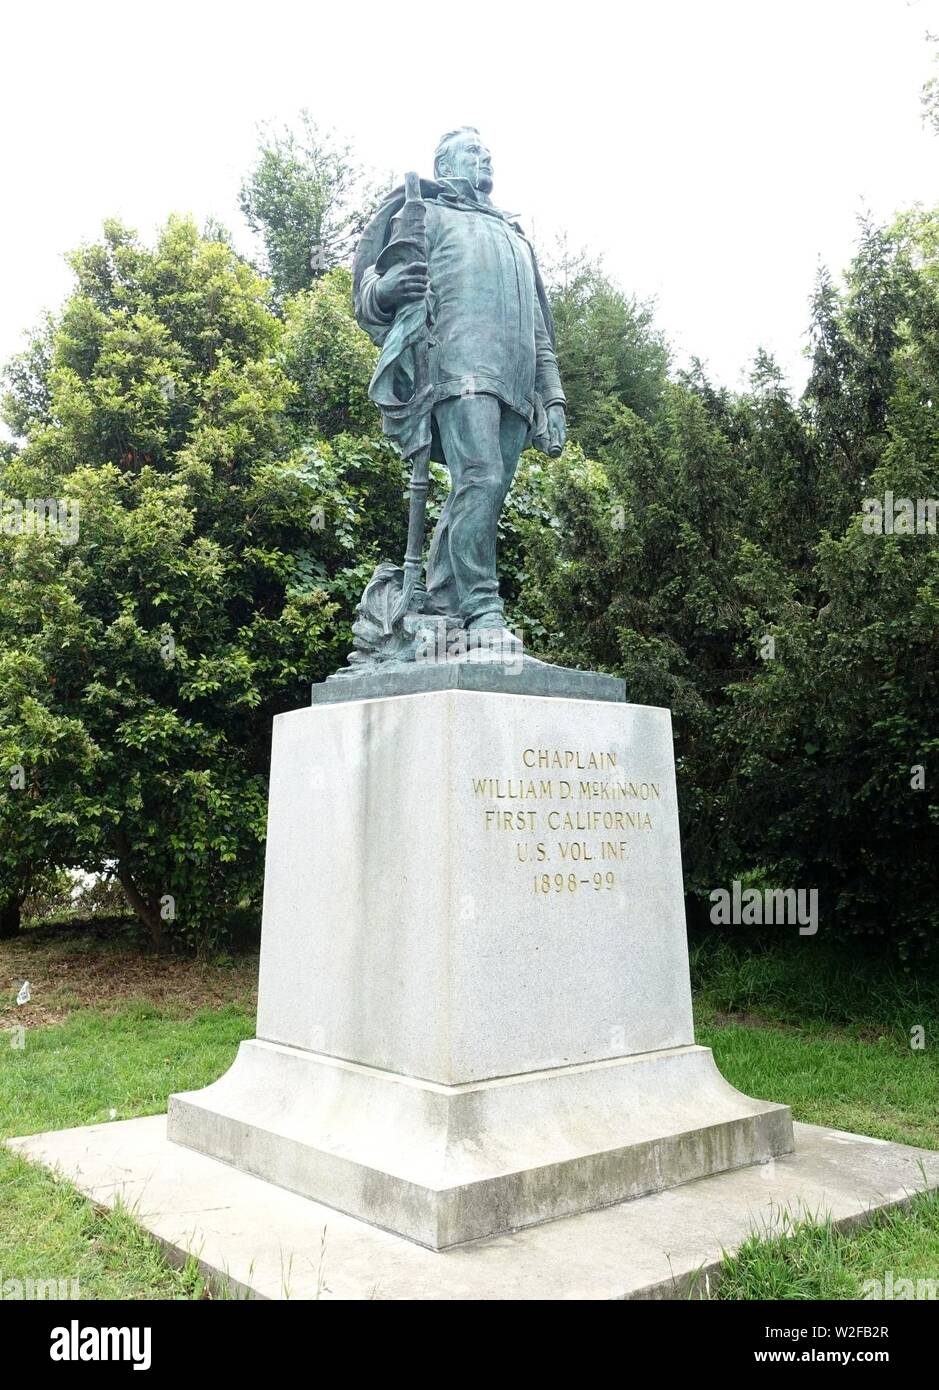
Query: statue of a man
[(493, 384)]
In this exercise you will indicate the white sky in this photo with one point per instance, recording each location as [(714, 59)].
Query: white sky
[(713, 152)]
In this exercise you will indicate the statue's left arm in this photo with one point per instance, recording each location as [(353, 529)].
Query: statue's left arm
[(547, 376), (548, 382)]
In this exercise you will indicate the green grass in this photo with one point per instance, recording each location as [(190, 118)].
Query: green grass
[(808, 983), (49, 1231), (812, 1260), (89, 1069), (881, 1088), (826, 1031), (96, 1067)]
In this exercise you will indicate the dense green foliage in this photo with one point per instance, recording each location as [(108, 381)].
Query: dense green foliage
[(714, 554), (216, 553), (235, 492)]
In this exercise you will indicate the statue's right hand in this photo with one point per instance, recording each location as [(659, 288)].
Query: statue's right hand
[(402, 285)]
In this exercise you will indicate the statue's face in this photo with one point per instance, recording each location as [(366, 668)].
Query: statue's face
[(470, 159)]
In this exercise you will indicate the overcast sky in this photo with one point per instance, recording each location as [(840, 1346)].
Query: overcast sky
[(712, 150)]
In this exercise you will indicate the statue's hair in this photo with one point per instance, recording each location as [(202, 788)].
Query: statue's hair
[(446, 141)]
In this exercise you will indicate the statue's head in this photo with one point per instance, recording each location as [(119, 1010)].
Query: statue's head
[(461, 154)]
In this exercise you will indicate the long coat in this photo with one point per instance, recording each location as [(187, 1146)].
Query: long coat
[(492, 326)]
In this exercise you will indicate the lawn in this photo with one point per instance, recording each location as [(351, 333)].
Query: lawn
[(109, 1033)]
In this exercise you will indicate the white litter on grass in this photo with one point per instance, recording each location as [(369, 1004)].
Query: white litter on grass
[(23, 996)]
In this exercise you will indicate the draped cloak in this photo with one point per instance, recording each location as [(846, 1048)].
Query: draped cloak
[(492, 328)]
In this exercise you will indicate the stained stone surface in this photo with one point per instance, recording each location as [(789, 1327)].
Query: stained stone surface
[(444, 1165), (474, 1009), (520, 676), (410, 923), (262, 1241)]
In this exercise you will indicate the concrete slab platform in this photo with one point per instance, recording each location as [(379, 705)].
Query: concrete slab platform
[(265, 1242)]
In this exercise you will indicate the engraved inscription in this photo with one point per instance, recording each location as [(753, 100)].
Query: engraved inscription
[(569, 830)]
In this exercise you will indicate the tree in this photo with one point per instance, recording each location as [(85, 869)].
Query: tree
[(929, 96), (834, 742), (714, 554), (609, 350), (330, 361), (210, 580), (308, 199)]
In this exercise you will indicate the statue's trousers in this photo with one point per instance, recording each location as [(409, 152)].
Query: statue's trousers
[(481, 439)]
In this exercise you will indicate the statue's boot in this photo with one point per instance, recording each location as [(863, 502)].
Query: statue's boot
[(488, 634)]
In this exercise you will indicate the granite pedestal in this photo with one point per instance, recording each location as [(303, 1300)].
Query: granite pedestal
[(474, 1009)]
